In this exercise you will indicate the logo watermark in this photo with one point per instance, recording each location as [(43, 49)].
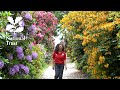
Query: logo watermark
[(15, 27)]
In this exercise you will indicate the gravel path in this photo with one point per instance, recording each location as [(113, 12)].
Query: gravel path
[(70, 73)]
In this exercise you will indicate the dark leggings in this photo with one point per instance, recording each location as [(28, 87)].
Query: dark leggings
[(59, 71)]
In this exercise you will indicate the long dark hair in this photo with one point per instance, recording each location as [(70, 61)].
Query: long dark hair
[(57, 47)]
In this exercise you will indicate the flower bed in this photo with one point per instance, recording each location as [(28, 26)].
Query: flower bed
[(22, 55)]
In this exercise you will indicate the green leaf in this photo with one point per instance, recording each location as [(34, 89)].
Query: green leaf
[(118, 56), (6, 60), (118, 27)]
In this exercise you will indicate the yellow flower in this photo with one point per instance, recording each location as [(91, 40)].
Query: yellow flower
[(63, 26), (101, 59), (97, 77), (91, 64), (99, 62), (94, 40), (83, 43), (109, 77), (77, 36), (106, 65), (94, 71), (108, 53)]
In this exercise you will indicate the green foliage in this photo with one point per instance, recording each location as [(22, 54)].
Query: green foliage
[(37, 65), (82, 62), (59, 14), (3, 18)]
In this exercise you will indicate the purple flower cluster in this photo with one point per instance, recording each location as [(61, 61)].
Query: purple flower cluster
[(28, 16), (20, 53), (32, 29), (21, 35), (10, 57), (12, 71), (30, 46), (25, 68), (1, 64), (29, 58), (17, 68), (19, 49), (34, 55), (14, 35)]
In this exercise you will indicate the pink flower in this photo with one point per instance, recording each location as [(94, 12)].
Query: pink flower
[(54, 22), (40, 35), (41, 25), (48, 30), (43, 32), (33, 43), (46, 21)]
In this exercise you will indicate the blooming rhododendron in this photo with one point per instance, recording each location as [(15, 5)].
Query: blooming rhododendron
[(10, 57), (45, 20), (28, 16), (16, 67), (29, 58), (26, 69), (34, 55), (12, 71), (30, 46), (19, 49), (40, 35), (1, 64), (20, 55)]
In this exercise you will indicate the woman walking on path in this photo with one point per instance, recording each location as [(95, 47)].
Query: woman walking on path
[(59, 61)]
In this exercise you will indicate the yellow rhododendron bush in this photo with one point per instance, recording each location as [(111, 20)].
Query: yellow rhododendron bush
[(97, 33)]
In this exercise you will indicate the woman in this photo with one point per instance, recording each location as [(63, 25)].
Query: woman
[(59, 61)]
